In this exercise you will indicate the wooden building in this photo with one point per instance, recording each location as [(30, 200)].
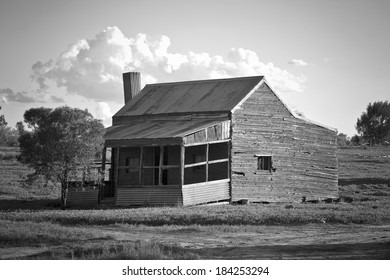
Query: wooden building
[(195, 142)]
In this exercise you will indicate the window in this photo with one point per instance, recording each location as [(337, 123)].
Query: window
[(264, 163), (206, 162), (161, 166), (129, 166)]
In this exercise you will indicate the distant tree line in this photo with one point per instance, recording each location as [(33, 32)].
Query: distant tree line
[(374, 124), (8, 136), (373, 127)]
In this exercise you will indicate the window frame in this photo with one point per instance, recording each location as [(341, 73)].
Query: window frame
[(264, 163), (197, 166)]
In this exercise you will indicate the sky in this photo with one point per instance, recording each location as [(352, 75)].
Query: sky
[(325, 59)]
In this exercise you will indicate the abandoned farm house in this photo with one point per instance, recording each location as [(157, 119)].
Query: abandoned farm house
[(195, 142)]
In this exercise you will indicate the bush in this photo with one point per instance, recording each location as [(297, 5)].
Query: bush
[(8, 136), (9, 155)]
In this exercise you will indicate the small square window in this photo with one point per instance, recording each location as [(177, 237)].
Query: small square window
[(264, 163)]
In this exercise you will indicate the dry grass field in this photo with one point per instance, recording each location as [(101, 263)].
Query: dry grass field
[(356, 227)]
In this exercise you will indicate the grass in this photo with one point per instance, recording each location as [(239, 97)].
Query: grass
[(29, 213), (364, 212), (22, 233), (120, 251)]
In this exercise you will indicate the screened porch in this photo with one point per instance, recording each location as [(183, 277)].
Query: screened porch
[(179, 171)]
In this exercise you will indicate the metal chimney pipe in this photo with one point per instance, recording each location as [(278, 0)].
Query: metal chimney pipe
[(131, 85)]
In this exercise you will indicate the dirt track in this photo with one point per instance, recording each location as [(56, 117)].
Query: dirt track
[(311, 241), (272, 242)]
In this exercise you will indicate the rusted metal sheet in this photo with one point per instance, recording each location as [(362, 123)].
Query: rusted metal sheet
[(192, 96), (148, 196), (206, 192), (83, 198)]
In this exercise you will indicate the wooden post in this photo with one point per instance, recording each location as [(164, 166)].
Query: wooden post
[(140, 166), (160, 166), (230, 154), (102, 173), (207, 162), (182, 164), (116, 170), (230, 171)]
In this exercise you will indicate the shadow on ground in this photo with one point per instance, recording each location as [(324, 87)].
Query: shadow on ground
[(358, 251), (37, 204), (361, 181)]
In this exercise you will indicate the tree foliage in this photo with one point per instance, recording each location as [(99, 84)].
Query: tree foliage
[(8, 135), (342, 139), (374, 124), (59, 142), (355, 140)]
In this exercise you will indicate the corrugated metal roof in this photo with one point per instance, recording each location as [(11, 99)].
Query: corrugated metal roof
[(190, 96), (150, 129)]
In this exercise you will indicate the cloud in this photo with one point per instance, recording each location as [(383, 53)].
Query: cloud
[(92, 68), (9, 95), (298, 62), (103, 112)]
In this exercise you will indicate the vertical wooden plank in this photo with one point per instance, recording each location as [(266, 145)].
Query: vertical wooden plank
[(140, 166), (116, 172), (207, 162), (103, 173), (182, 163), (226, 130), (160, 166), (104, 158), (230, 155)]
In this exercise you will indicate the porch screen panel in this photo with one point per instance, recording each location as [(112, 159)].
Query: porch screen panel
[(129, 166), (206, 162), (218, 151), (151, 166), (218, 171)]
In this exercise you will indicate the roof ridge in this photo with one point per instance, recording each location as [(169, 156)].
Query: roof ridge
[(206, 80)]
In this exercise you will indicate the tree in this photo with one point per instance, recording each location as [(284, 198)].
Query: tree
[(374, 124), (60, 141), (2, 120), (342, 139), (355, 140), (8, 135)]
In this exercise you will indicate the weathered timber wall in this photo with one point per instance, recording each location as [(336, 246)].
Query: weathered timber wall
[(206, 192), (303, 153), (149, 196)]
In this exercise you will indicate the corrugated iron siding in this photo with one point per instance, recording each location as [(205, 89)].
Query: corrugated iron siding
[(206, 192), (83, 198), (148, 196)]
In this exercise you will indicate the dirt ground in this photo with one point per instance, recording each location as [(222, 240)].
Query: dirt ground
[(311, 241), (274, 242)]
